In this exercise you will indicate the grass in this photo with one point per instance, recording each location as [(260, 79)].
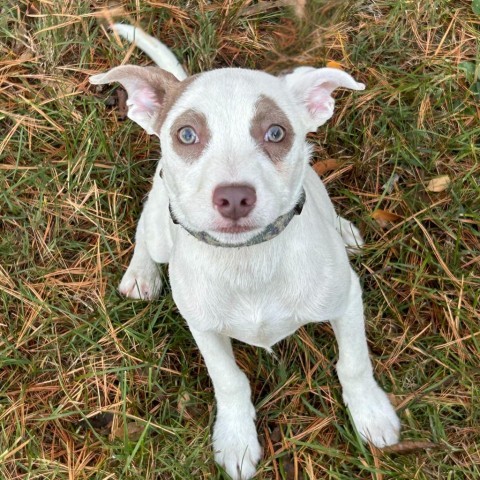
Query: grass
[(94, 386)]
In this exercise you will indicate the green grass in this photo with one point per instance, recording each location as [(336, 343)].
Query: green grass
[(72, 179)]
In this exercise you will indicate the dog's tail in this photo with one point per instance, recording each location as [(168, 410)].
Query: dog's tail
[(155, 49)]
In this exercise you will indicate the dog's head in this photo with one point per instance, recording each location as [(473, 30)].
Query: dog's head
[(233, 140)]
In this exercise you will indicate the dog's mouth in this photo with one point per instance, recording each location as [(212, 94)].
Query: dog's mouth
[(234, 229)]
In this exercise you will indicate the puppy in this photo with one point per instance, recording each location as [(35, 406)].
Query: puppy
[(254, 246)]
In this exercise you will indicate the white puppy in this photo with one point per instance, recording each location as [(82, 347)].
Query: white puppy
[(254, 246)]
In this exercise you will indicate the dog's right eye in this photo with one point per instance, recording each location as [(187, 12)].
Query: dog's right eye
[(275, 134), (187, 136)]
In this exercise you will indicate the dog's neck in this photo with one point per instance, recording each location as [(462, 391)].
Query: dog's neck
[(269, 232)]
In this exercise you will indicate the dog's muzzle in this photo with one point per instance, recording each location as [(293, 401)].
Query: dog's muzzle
[(270, 231)]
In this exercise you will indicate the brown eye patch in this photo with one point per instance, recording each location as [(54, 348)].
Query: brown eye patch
[(268, 114), (198, 122)]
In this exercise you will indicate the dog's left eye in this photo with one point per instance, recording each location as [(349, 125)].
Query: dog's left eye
[(275, 134), (187, 135)]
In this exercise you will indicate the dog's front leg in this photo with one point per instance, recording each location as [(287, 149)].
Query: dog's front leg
[(235, 441), (370, 409), (142, 278), (153, 245)]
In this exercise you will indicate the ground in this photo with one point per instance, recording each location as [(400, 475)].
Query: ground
[(94, 386)]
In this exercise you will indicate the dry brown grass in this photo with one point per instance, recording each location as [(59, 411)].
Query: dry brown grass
[(93, 386)]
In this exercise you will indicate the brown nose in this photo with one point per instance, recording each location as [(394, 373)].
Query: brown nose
[(234, 201)]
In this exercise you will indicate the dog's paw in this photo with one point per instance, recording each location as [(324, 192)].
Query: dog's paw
[(374, 417), (138, 283), (236, 447)]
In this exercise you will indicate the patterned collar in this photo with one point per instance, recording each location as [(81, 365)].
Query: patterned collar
[(269, 232)]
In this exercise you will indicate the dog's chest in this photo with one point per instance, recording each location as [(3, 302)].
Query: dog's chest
[(259, 317), (259, 320), (258, 301)]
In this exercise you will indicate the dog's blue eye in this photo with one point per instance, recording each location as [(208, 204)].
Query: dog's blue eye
[(187, 135), (275, 134)]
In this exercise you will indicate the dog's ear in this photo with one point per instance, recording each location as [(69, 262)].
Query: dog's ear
[(313, 87), (146, 88)]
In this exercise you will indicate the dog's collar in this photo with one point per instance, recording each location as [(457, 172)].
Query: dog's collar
[(269, 232)]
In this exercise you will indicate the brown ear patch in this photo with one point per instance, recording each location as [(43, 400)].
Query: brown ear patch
[(198, 121), (171, 97), (268, 113)]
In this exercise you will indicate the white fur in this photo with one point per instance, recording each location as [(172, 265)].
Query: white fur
[(155, 49), (262, 293)]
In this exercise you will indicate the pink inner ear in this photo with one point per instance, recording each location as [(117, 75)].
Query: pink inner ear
[(320, 100), (145, 99)]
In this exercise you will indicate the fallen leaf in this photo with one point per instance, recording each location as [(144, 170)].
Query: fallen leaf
[(438, 184), (133, 431), (325, 166), (409, 446), (264, 6), (183, 400), (334, 64), (122, 103), (288, 467), (101, 422), (276, 435), (384, 218)]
